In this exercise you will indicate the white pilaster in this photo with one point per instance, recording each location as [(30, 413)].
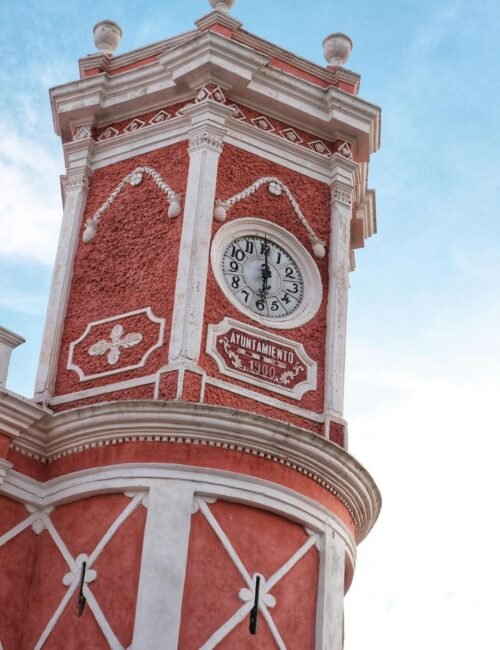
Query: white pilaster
[(5, 466), (76, 190), (342, 190), (163, 566), (330, 607), (205, 146)]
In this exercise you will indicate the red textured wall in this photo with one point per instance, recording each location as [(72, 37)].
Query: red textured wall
[(264, 542), (17, 558), (215, 395), (237, 170), (81, 526), (132, 262)]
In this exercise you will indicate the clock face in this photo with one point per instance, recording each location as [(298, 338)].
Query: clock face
[(262, 276)]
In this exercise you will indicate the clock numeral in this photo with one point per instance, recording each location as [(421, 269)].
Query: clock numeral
[(246, 294), (249, 247), (278, 258), (235, 281), (260, 304), (234, 266), (275, 305), (238, 253), (295, 288), (264, 248), (289, 274), (285, 298)]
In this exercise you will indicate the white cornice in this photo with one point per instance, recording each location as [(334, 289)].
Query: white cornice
[(218, 17), (10, 339), (133, 56), (329, 76), (239, 69), (18, 413), (172, 422)]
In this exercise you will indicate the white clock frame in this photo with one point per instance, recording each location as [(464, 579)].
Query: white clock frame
[(254, 226)]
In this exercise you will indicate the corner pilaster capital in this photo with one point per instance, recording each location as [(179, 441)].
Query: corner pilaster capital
[(344, 179), (78, 178), (205, 138), (208, 119), (5, 466), (344, 172)]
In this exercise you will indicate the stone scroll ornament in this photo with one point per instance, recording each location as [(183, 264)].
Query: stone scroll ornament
[(134, 179), (276, 188)]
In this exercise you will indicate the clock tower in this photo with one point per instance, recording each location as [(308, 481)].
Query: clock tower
[(181, 478)]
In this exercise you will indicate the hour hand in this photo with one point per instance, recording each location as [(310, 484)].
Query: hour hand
[(266, 274)]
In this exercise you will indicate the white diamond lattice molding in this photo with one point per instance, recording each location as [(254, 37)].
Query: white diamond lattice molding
[(276, 188), (110, 132), (133, 179), (247, 594), (113, 342)]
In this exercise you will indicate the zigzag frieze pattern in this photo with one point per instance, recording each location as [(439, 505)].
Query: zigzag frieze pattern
[(257, 120)]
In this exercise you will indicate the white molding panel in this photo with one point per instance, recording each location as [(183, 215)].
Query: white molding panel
[(115, 344)]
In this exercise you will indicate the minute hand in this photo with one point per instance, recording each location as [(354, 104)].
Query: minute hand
[(266, 272)]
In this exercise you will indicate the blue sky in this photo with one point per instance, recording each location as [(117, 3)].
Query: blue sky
[(423, 344)]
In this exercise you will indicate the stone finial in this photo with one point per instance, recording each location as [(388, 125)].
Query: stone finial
[(8, 341), (337, 49), (223, 5), (107, 36)]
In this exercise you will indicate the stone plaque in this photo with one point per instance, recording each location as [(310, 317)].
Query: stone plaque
[(261, 358)]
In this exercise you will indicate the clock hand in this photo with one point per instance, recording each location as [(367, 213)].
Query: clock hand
[(266, 271)]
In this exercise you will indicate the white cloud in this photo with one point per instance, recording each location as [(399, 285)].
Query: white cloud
[(30, 204), (424, 422), (26, 303)]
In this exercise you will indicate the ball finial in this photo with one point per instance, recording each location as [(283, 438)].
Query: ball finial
[(337, 49), (107, 36), (222, 5)]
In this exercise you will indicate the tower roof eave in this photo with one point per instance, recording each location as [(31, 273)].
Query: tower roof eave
[(249, 75)]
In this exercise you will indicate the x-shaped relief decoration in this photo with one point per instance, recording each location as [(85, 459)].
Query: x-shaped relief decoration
[(257, 593), (80, 573)]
